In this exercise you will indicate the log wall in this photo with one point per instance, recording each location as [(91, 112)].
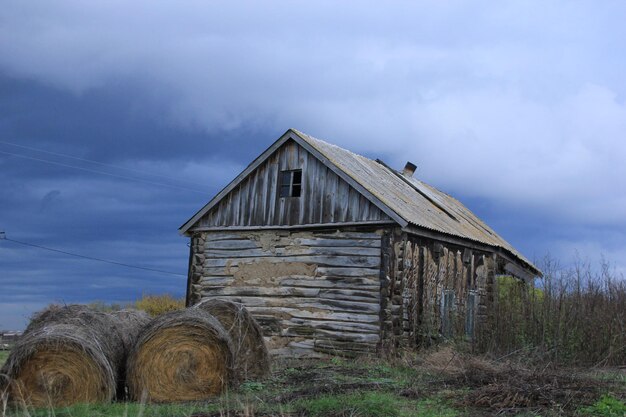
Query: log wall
[(312, 292), (347, 292), (436, 291)]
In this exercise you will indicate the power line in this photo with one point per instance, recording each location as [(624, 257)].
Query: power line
[(3, 237), (96, 162), (105, 173)]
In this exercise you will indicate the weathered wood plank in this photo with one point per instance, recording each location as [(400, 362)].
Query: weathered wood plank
[(348, 272), (337, 326), (277, 252), (263, 291), (288, 312), (301, 302), (338, 336), (237, 244), (349, 294), (334, 347), (222, 235), (369, 285), (321, 260), (363, 284)]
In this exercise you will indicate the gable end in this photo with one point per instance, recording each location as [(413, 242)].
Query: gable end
[(322, 194)]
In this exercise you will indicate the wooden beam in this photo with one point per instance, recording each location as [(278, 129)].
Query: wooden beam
[(189, 275), (293, 227), (518, 272)]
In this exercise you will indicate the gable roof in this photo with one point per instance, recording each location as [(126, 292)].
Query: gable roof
[(407, 200)]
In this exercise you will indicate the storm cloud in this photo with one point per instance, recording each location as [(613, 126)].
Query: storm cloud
[(515, 108)]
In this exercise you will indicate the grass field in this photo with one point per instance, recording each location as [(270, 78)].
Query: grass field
[(3, 356), (438, 384)]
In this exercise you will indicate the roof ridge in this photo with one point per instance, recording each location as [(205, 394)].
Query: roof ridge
[(308, 137)]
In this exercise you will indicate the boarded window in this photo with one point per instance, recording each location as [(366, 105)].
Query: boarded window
[(447, 313), (470, 315), (290, 183)]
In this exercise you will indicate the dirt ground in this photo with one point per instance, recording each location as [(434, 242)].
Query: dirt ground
[(467, 385)]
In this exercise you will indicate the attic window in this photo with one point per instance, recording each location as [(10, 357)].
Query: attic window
[(291, 183)]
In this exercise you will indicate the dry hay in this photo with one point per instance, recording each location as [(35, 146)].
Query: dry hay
[(67, 355), (503, 386), (251, 356), (516, 387), (132, 322), (444, 360), (182, 355)]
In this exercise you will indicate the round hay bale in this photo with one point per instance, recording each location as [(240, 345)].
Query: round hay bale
[(67, 355), (131, 322), (251, 356), (183, 355), (75, 314)]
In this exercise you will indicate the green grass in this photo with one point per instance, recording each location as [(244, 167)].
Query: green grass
[(126, 409), (4, 354), (373, 404), (367, 404), (433, 407), (607, 406)]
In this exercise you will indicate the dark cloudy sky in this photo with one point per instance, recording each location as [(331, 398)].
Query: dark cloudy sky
[(516, 108)]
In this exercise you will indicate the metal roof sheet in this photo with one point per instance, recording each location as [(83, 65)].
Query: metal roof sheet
[(415, 201)]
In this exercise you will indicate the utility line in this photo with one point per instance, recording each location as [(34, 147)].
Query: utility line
[(3, 237), (96, 162), (105, 173)]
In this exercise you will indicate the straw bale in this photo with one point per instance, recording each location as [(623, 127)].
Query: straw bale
[(183, 355), (131, 322), (251, 356), (67, 355)]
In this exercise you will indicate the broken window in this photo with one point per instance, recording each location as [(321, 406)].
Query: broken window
[(290, 183)]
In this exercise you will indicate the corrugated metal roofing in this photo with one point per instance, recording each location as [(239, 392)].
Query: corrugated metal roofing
[(415, 201)]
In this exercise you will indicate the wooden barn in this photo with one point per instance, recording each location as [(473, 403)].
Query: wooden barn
[(336, 253)]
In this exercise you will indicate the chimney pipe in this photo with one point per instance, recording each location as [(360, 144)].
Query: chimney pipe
[(409, 169)]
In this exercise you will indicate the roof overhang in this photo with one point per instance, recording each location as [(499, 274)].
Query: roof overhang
[(514, 265)]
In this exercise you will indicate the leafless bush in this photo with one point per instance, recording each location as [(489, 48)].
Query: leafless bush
[(574, 316)]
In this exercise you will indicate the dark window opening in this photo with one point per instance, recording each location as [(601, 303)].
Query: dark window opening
[(291, 183)]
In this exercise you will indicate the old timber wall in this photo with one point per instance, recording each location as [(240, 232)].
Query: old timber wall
[(326, 198), (432, 290), (312, 292)]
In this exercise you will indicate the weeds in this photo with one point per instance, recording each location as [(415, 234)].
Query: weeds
[(159, 304), (444, 383), (607, 406), (4, 354), (365, 404), (573, 316)]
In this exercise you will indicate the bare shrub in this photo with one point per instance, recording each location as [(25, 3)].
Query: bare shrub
[(574, 316)]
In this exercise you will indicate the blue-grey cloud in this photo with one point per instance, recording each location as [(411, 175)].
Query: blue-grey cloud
[(517, 108)]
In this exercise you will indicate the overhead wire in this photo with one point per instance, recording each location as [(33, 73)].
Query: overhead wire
[(91, 258), (30, 148), (3, 236), (104, 173)]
